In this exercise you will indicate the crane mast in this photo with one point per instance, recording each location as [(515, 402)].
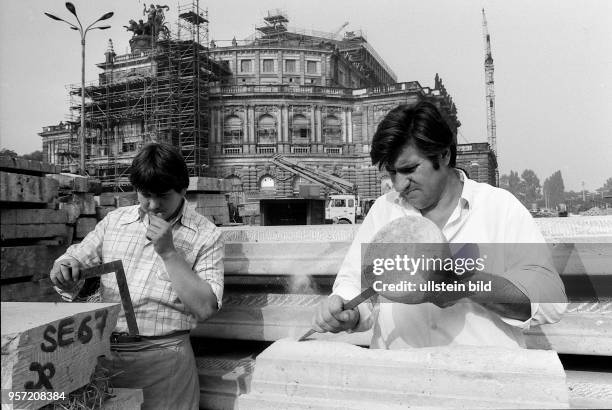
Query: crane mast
[(490, 87)]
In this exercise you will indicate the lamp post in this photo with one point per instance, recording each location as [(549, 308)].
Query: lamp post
[(83, 33)]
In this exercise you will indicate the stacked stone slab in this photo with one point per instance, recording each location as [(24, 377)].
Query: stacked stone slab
[(33, 231), (276, 276), (77, 199), (331, 375), (207, 195)]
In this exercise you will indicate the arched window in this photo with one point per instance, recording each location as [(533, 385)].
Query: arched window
[(300, 129), (232, 130), (266, 183), (266, 130), (332, 130)]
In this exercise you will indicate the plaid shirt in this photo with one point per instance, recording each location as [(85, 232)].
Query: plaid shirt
[(121, 235)]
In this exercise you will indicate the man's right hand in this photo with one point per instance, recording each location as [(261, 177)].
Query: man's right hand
[(66, 273), (330, 316)]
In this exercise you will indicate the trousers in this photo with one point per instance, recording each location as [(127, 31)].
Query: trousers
[(164, 369)]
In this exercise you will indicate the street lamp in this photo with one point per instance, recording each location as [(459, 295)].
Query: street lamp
[(83, 33)]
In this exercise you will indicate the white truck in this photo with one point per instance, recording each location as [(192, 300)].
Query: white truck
[(343, 207)]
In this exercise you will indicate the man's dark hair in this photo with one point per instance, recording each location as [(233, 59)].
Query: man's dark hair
[(421, 125), (158, 168)]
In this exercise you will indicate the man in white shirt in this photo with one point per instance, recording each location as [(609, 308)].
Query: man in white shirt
[(418, 150)]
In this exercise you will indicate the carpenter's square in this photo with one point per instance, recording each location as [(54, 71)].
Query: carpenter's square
[(124, 291)]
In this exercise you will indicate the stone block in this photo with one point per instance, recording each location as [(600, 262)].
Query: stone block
[(84, 226), (54, 346), (108, 199), (26, 166), (32, 216), (209, 184), (24, 261), (331, 374), (27, 188), (33, 231)]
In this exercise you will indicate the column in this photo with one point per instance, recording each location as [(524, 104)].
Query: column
[(245, 130), (286, 123), (279, 124), (319, 125), (211, 129), (312, 124), (343, 119), (252, 119), (349, 115), (365, 137)]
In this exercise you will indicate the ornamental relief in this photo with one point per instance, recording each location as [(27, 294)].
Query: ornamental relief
[(233, 110), (266, 109), (300, 109), (332, 110), (384, 107)]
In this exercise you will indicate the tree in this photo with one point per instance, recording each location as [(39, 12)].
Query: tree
[(504, 182), (531, 184), (8, 152), (554, 189), (34, 156), (607, 186)]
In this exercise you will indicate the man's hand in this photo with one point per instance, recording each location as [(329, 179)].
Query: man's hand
[(330, 316), (66, 273), (160, 233)]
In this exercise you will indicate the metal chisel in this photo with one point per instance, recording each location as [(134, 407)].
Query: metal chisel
[(351, 304)]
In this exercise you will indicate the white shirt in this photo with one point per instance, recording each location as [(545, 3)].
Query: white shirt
[(484, 214)]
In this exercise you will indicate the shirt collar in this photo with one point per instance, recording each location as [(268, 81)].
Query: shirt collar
[(184, 216)]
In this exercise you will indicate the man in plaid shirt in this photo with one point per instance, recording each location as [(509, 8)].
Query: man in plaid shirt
[(173, 261)]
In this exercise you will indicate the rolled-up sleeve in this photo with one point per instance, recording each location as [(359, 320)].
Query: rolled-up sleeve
[(531, 270), (209, 264)]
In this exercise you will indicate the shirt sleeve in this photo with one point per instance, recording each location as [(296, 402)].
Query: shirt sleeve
[(531, 270), (88, 252), (209, 264), (348, 280)]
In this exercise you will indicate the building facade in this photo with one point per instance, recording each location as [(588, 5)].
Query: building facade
[(313, 97)]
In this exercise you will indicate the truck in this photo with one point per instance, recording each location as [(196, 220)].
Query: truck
[(343, 206)]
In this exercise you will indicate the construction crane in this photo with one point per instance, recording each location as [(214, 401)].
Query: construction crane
[(337, 31), (339, 185), (490, 86)]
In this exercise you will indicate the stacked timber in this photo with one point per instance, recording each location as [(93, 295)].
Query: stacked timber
[(51, 349), (33, 232), (208, 196)]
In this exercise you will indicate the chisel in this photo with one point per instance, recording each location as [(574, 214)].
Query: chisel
[(351, 304)]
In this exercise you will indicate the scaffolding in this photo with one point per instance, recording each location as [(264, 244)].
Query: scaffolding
[(157, 93)]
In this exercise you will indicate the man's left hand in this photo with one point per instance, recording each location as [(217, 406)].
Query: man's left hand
[(160, 233)]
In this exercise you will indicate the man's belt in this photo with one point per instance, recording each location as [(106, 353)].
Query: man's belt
[(124, 337)]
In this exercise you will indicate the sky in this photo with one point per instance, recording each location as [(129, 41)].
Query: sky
[(553, 66)]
